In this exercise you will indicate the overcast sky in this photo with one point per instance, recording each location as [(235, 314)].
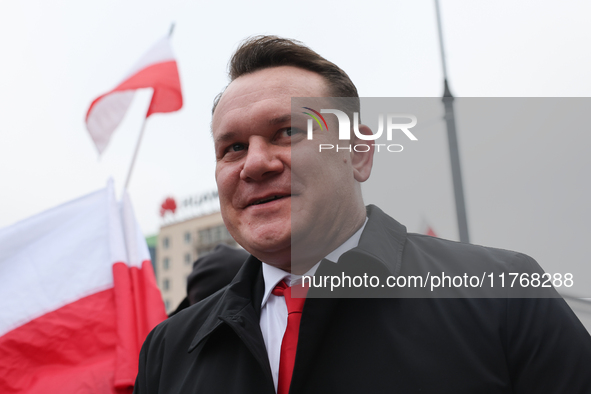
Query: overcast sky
[(58, 56)]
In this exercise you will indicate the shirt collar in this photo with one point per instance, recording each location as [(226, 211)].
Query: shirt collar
[(273, 275)]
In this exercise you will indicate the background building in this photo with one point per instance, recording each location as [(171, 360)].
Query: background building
[(178, 245), (152, 241)]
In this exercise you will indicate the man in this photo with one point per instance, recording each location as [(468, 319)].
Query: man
[(290, 218)]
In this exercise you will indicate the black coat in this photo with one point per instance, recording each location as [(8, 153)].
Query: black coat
[(378, 345)]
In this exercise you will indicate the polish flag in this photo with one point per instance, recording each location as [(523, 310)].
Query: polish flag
[(77, 298), (427, 229), (157, 69), (430, 232)]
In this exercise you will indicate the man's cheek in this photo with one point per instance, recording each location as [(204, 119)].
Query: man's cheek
[(223, 178)]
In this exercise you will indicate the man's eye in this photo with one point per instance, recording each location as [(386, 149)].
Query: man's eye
[(291, 131), (236, 147)]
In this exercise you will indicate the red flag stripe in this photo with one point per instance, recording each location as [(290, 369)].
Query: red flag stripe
[(139, 309), (85, 330), (163, 77)]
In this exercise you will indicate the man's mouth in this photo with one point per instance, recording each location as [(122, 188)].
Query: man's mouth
[(268, 199)]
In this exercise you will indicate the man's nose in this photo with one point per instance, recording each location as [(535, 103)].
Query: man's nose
[(262, 160)]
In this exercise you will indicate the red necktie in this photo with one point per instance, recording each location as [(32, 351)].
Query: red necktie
[(290, 338)]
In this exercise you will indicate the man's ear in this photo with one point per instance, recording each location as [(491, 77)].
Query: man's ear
[(362, 158)]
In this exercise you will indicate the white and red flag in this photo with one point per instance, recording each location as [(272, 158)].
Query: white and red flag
[(430, 232), (158, 70), (77, 298), (427, 229)]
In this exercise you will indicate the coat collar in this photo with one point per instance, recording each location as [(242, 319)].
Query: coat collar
[(379, 250), (241, 298), (383, 240), (240, 308)]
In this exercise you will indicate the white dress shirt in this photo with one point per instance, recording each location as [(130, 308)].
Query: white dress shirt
[(273, 308)]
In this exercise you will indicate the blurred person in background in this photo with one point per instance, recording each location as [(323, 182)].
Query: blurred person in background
[(211, 272)]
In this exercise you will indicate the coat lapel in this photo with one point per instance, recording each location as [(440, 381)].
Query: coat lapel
[(240, 309)]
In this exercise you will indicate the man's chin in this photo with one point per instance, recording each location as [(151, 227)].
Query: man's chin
[(271, 250)]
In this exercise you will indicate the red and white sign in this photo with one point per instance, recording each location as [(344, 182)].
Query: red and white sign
[(77, 298), (168, 205), (158, 70)]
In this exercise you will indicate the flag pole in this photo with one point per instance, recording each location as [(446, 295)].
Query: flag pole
[(137, 146), (452, 138)]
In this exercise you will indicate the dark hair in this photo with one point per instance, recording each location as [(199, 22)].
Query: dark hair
[(260, 52)]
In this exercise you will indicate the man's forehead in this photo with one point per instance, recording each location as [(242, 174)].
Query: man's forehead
[(270, 86), (251, 114)]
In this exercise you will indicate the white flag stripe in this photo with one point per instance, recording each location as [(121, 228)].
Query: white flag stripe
[(159, 53), (47, 262), (106, 115)]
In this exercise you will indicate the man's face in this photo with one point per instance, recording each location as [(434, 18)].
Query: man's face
[(258, 190)]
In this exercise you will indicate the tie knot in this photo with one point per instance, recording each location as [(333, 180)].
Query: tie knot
[(293, 304), (280, 288)]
